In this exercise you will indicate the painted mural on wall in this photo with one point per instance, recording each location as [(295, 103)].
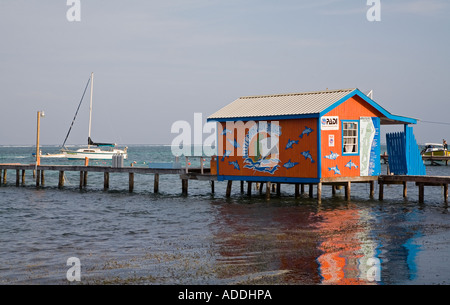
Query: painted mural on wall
[(284, 149)]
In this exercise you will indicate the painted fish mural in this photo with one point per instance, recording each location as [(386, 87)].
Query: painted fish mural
[(307, 155), (332, 156), (335, 169), (226, 154), (234, 143), (259, 165), (290, 143), (270, 170), (235, 164), (350, 164), (225, 131), (290, 164), (306, 131)]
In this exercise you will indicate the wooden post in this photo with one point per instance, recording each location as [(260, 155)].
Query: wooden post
[(278, 189), (42, 178), (249, 188), (17, 177), (85, 178), (372, 189), (61, 179), (380, 192), (229, 183), (156, 183), (5, 175), (38, 177), (184, 186), (212, 186), (23, 177), (81, 179), (261, 185), (201, 165), (268, 190), (311, 191), (187, 161), (302, 188), (333, 190), (106, 180), (319, 192), (297, 190), (445, 193), (130, 182), (348, 188), (242, 187), (405, 190), (421, 192)]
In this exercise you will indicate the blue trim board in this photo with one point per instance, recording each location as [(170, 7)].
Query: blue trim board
[(319, 148), (267, 118), (383, 111), (270, 179)]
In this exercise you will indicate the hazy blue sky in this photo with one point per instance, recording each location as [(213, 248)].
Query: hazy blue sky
[(156, 62)]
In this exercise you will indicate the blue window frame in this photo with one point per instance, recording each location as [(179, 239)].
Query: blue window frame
[(350, 138)]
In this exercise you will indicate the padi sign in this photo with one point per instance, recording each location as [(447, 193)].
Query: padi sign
[(329, 123)]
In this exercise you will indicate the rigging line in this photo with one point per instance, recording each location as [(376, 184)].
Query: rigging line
[(73, 121), (431, 122)]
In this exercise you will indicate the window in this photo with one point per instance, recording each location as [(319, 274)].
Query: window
[(350, 138)]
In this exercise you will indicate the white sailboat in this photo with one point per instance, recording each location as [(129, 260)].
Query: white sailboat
[(94, 151)]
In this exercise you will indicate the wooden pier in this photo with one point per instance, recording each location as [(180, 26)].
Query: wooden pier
[(204, 174), (433, 159)]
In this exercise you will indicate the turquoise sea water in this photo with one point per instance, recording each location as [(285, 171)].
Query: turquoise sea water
[(205, 238)]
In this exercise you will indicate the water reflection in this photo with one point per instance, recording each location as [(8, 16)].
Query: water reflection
[(309, 244)]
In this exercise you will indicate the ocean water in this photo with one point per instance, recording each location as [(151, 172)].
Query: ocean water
[(205, 238)]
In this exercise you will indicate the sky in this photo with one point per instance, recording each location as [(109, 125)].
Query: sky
[(159, 62)]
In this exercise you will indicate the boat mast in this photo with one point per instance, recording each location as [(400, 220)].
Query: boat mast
[(90, 108)]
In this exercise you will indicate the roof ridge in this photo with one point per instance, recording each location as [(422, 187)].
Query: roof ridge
[(298, 93)]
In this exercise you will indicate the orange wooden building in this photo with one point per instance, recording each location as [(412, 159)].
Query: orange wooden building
[(301, 137)]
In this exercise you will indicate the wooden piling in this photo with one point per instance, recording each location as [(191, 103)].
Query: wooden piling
[(405, 189), (278, 189), (5, 175), (311, 191), (23, 177), (421, 192), (61, 179), (445, 193), (184, 186), (348, 188), (156, 183), (319, 192), (242, 187), (297, 190), (372, 189), (249, 188), (302, 188), (17, 177), (130, 182), (229, 184), (81, 179), (42, 178), (106, 180), (38, 178), (212, 186), (380, 191), (85, 175), (268, 184)]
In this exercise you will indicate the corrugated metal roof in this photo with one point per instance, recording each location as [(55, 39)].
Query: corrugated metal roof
[(280, 104)]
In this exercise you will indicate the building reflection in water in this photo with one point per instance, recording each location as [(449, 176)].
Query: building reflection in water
[(303, 244)]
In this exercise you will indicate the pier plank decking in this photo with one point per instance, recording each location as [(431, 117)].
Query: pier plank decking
[(203, 174)]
